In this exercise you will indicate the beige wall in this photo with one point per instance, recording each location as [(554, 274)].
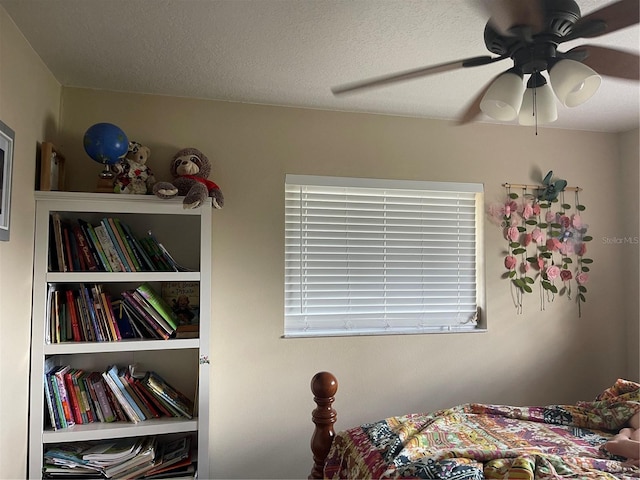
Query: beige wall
[(629, 199), (261, 401), (29, 104)]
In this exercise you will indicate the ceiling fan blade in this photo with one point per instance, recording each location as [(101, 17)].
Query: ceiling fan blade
[(415, 73), (614, 16), (607, 61), (513, 17), (473, 108)]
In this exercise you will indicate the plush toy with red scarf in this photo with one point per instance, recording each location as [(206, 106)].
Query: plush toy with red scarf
[(190, 169)]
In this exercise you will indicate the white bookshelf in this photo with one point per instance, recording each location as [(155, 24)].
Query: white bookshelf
[(184, 363)]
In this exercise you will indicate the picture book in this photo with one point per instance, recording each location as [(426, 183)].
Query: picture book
[(184, 299)]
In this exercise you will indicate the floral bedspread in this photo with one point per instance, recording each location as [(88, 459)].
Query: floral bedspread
[(475, 441)]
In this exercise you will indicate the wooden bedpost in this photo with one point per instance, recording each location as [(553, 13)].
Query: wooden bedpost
[(324, 386)]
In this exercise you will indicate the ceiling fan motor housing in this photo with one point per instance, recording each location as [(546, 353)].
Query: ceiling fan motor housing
[(535, 51)]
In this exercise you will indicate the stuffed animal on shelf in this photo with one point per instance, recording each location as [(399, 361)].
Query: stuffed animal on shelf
[(190, 169), (132, 175)]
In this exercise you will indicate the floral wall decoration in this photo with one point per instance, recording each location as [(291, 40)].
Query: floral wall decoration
[(546, 242)]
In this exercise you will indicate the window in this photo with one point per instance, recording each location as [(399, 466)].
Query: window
[(366, 257)]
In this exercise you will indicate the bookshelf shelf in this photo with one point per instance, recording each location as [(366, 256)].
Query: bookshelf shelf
[(83, 433), (118, 277), (181, 362), (127, 345)]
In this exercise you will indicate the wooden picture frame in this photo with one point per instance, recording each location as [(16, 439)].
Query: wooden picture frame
[(7, 137), (51, 167)]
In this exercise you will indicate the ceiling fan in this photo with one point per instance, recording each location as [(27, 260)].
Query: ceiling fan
[(530, 32)]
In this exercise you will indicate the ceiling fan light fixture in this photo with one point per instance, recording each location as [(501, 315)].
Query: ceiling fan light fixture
[(504, 96), (538, 102), (573, 82)]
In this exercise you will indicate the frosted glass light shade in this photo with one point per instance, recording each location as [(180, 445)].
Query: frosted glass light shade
[(573, 82), (545, 106), (504, 96)]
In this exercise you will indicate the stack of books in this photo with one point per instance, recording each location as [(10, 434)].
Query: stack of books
[(74, 396), (137, 457), (89, 314), (110, 246)]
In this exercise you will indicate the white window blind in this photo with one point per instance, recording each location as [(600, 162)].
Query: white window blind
[(365, 256)]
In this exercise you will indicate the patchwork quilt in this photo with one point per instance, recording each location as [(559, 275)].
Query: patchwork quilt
[(475, 441)]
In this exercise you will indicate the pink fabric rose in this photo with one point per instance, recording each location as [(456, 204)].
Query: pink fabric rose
[(582, 249), (536, 209), (510, 207), (527, 211), (513, 233), (553, 244), (540, 263), (553, 272), (526, 239), (510, 262), (567, 248), (565, 275), (537, 235), (576, 221), (582, 278), (550, 216), (564, 221)]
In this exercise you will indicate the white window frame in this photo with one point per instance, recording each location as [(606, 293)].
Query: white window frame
[(361, 257)]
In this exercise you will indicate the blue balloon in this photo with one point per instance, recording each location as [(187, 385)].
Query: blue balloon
[(105, 143)]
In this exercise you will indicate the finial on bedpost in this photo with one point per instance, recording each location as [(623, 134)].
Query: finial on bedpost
[(324, 386)]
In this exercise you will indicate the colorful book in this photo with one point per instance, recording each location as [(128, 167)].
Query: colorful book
[(57, 231), (126, 240), (116, 243), (184, 300), (125, 327), (111, 378), (159, 304), (159, 387), (143, 312), (83, 249), (87, 303), (128, 261), (73, 313), (115, 263), (59, 374), (94, 244), (97, 383), (144, 259), (49, 395)]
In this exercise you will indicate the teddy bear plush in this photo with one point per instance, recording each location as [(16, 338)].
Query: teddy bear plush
[(132, 174), (190, 169)]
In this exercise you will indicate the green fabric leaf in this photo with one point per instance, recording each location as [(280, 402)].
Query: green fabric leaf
[(513, 195), (582, 208)]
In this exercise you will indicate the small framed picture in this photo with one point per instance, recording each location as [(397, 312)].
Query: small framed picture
[(7, 137), (51, 168)]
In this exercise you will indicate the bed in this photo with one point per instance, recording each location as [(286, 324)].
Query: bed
[(476, 441)]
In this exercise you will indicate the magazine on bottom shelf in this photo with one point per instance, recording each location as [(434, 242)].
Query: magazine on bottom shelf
[(135, 457)]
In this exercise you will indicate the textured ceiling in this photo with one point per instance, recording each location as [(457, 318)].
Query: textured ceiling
[(291, 52)]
